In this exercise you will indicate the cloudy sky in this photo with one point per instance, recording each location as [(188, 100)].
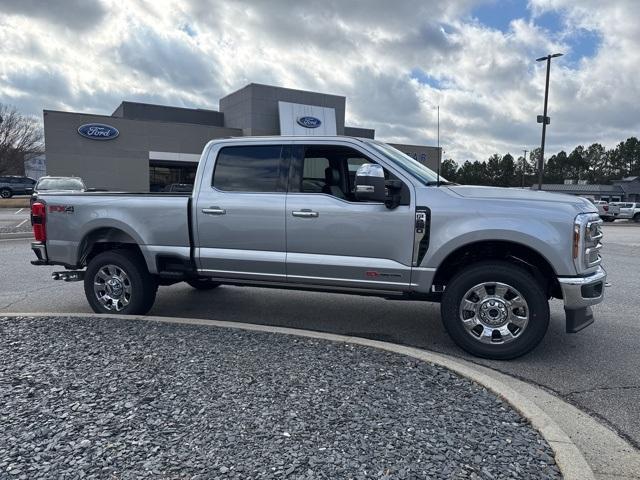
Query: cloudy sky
[(393, 60)]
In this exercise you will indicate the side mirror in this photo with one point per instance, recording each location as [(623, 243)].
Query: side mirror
[(370, 185)]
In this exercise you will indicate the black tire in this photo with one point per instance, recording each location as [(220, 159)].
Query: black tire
[(6, 193), (636, 218), (142, 285), (203, 283), (513, 276), (608, 219)]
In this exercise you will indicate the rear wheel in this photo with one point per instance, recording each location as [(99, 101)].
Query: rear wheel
[(203, 283), (6, 193), (495, 310), (636, 218), (608, 219), (119, 282)]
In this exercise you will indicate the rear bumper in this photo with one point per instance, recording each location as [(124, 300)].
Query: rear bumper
[(579, 294), (40, 249)]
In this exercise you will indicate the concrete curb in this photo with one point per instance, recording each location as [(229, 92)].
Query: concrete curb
[(15, 236), (569, 458)]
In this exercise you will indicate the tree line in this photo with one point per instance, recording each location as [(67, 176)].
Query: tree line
[(595, 164)]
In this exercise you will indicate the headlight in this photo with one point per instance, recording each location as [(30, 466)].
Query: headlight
[(587, 233)]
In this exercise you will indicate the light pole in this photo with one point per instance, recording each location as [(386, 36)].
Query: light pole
[(439, 151), (544, 119), (523, 164)]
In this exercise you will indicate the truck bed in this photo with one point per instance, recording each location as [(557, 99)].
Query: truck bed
[(156, 222)]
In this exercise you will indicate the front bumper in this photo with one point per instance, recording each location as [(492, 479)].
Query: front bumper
[(579, 294)]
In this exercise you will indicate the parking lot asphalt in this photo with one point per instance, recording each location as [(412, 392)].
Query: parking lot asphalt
[(597, 369), (14, 220)]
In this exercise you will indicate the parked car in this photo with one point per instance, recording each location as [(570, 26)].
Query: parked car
[(491, 256), (607, 211), (57, 184), (628, 210), (11, 185)]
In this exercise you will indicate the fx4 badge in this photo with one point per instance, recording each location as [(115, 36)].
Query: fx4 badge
[(60, 208)]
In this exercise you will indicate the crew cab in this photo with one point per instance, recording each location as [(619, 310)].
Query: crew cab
[(337, 214)]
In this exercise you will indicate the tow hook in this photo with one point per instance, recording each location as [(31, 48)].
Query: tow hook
[(68, 276)]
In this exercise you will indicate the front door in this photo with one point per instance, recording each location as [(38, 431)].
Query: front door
[(333, 239), (240, 213)]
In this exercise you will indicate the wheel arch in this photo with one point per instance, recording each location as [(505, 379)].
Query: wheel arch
[(503, 250), (103, 239)]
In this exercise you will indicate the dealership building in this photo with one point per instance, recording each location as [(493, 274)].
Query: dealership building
[(142, 147)]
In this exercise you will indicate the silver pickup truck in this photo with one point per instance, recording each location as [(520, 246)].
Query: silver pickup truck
[(337, 214)]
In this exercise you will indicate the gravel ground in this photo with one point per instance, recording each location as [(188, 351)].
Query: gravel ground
[(112, 398)]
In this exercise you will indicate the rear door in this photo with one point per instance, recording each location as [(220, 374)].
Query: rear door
[(240, 212), (333, 239)]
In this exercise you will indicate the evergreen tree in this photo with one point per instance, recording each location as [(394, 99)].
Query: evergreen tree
[(507, 176), (449, 170), (493, 171)]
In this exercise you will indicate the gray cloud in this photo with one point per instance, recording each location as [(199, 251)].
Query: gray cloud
[(73, 14), (87, 57), (173, 59), (41, 80)]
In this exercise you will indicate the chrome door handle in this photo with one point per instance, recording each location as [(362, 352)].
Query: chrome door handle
[(214, 211), (305, 213)]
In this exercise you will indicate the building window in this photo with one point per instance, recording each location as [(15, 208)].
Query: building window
[(171, 176)]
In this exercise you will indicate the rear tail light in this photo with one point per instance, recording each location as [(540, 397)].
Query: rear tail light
[(38, 221), (605, 208)]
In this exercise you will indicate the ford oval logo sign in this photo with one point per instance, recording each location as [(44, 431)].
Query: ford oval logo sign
[(309, 122), (98, 131)]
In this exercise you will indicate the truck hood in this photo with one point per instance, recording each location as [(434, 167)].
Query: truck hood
[(520, 194)]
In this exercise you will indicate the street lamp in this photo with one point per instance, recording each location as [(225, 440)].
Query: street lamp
[(439, 151), (544, 119)]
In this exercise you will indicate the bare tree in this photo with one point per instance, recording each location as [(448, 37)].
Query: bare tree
[(20, 139)]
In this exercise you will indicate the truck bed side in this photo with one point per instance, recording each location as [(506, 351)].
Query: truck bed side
[(157, 223)]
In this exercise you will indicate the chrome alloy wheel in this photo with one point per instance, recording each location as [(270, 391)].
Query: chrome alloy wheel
[(494, 312), (112, 287)]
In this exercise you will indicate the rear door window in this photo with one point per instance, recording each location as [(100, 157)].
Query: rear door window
[(259, 169)]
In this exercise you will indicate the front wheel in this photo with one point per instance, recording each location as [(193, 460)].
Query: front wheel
[(495, 310), (119, 282)]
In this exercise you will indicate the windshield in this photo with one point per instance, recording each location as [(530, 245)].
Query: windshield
[(60, 184), (406, 163)]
